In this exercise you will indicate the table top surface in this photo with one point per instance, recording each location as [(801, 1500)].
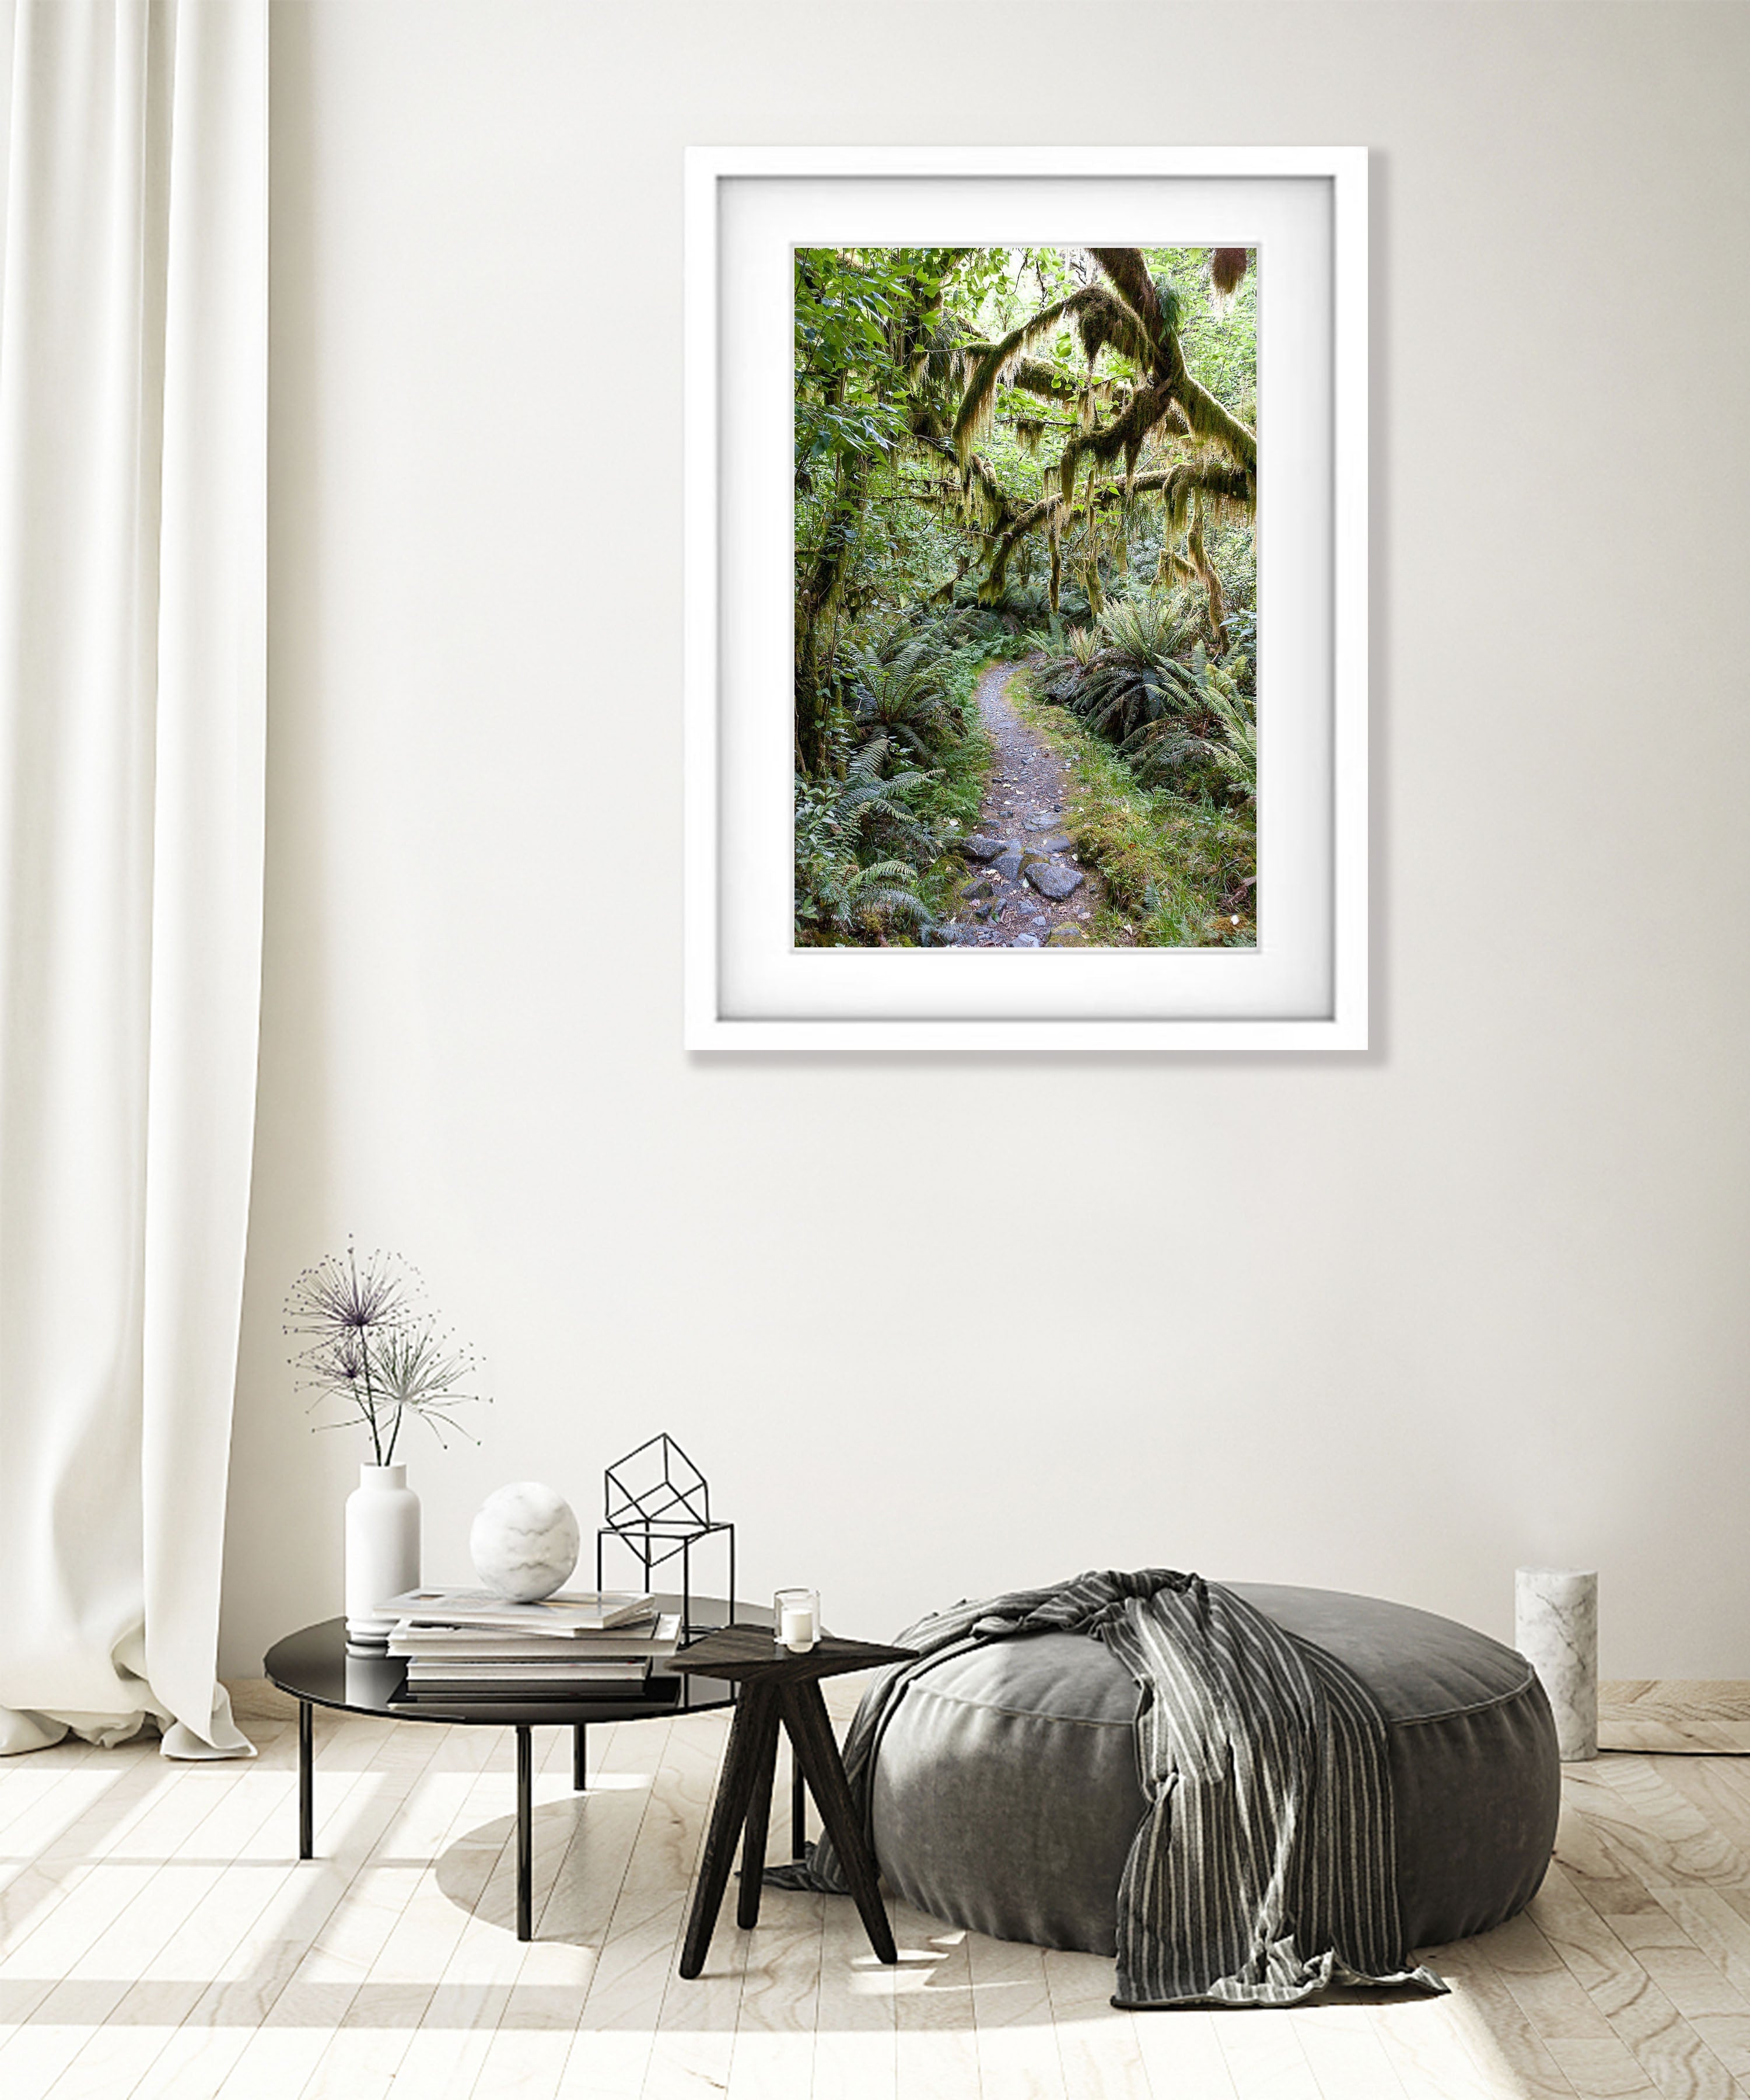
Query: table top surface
[(313, 1665), (751, 1655)]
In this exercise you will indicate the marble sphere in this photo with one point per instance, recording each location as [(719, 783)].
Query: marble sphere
[(524, 1542)]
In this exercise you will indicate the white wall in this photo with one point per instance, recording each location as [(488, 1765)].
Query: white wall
[(937, 1326)]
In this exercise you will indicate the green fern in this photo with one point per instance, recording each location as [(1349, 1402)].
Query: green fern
[(860, 851), (1183, 721), (903, 695)]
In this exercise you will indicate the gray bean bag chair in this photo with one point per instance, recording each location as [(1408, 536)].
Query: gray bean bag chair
[(1005, 1795)]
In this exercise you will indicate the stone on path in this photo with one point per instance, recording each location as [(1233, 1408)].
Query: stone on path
[(977, 849), (1008, 864), (1025, 941), (1051, 879), (1066, 936), (1058, 842)]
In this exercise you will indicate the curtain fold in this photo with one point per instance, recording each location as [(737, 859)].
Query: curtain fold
[(133, 450)]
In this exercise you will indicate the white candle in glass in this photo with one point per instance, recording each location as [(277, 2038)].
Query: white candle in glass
[(797, 1615)]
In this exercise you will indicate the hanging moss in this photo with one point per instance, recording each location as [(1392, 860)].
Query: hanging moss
[(1226, 490), (978, 405), (1227, 268), (1100, 318)]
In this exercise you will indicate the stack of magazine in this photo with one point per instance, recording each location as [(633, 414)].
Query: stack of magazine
[(469, 1647)]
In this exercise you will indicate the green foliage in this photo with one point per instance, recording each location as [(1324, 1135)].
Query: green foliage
[(852, 309), (904, 695), (874, 839), (840, 898), (1219, 335), (1123, 674), (998, 451), (1138, 678), (1180, 871)]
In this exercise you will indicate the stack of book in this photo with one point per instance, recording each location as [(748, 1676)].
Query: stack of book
[(469, 1647)]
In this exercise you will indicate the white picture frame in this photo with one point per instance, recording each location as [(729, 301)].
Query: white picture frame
[(1305, 986)]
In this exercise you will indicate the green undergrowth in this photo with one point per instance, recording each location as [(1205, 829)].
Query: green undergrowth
[(876, 839), (1177, 869), (957, 790)]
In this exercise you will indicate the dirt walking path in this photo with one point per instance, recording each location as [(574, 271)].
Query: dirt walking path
[(1024, 888)]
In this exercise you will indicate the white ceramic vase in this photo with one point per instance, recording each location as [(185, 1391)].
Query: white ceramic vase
[(382, 1550)]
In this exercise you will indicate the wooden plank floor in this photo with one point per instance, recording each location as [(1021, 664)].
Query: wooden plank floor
[(1674, 1715), (159, 1940)]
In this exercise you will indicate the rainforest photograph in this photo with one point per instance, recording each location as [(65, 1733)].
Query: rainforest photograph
[(1026, 607)]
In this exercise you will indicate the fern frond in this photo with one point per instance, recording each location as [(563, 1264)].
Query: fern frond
[(885, 873)]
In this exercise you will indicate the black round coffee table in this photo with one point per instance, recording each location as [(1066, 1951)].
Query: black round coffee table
[(313, 1667)]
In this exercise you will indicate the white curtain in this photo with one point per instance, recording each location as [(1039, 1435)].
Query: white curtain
[(133, 449)]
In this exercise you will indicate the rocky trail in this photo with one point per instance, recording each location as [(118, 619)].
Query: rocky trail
[(1024, 888)]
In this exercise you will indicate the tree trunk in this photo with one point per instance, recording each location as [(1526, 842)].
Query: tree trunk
[(819, 594)]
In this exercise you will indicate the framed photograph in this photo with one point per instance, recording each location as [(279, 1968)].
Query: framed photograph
[(1026, 598)]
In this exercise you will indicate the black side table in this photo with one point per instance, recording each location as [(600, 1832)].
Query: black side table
[(315, 1666), (776, 1686)]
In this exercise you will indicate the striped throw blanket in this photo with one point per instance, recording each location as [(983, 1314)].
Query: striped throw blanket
[(1265, 1867)]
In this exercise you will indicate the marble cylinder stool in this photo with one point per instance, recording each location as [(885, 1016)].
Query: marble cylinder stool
[(1556, 1630)]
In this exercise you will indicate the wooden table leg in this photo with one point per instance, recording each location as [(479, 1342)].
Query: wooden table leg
[(307, 1782), (798, 1810), (804, 1713), (580, 1757), (765, 1753), (729, 1813), (525, 1834)]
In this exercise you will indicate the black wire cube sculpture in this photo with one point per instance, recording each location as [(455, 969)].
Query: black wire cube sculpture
[(657, 1504)]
